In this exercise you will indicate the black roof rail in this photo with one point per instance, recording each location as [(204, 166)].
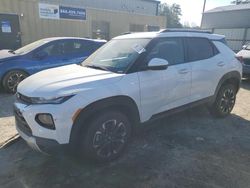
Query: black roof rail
[(185, 30), (126, 33)]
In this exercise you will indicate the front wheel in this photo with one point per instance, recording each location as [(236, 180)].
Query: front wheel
[(225, 101), (12, 79), (107, 136)]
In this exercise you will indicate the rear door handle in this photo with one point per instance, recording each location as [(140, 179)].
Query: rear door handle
[(221, 64), (183, 71)]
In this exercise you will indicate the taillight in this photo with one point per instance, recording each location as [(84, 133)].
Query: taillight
[(240, 59)]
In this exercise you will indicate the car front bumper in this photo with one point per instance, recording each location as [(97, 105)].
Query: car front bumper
[(31, 141), (29, 132), (43, 145)]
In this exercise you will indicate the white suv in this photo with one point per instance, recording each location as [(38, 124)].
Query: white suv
[(94, 107)]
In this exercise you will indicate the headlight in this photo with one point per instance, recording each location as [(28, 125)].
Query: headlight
[(57, 100)]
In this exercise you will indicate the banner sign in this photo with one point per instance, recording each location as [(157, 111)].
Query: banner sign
[(72, 13), (49, 11)]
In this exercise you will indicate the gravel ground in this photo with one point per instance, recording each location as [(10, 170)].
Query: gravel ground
[(188, 149), (7, 128)]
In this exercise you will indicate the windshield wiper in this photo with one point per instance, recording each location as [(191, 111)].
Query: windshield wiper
[(12, 51), (97, 67)]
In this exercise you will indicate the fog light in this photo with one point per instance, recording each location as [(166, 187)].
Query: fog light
[(45, 120)]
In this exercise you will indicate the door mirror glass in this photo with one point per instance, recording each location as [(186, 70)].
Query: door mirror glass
[(41, 55), (157, 64)]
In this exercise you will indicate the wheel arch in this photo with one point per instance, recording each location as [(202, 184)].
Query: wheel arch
[(121, 103), (11, 70), (233, 77)]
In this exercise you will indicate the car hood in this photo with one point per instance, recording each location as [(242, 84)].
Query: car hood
[(5, 55), (244, 53), (65, 80)]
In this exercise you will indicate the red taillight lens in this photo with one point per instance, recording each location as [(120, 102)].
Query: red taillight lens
[(240, 59)]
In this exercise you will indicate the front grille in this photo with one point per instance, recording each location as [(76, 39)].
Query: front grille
[(21, 122), (246, 61), (23, 99)]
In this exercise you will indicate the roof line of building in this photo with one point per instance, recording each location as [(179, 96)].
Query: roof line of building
[(229, 8)]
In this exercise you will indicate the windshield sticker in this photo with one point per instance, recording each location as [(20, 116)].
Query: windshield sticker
[(138, 48)]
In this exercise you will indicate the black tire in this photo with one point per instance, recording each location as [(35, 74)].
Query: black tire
[(12, 79), (224, 102), (106, 137)]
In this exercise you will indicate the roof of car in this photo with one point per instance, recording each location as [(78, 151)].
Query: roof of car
[(172, 33), (76, 38)]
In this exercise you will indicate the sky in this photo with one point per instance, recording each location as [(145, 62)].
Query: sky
[(192, 9)]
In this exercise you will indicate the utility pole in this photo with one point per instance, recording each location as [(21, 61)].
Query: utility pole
[(203, 10), (204, 6)]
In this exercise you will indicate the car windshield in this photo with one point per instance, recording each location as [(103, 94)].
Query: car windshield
[(248, 47), (28, 48), (117, 55)]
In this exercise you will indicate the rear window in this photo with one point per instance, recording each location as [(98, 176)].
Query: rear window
[(200, 49)]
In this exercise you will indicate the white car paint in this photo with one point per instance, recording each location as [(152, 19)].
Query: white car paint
[(152, 91)]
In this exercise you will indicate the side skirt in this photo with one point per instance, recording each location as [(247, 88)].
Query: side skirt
[(207, 101)]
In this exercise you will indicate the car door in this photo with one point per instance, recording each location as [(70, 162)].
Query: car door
[(207, 67), (162, 90), (73, 52)]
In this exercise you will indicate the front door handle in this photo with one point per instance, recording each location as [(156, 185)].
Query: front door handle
[(221, 64), (183, 71)]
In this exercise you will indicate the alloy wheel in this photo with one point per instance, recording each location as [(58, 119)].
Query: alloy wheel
[(110, 138), (227, 101), (14, 79)]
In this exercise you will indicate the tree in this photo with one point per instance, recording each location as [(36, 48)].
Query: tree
[(172, 13)]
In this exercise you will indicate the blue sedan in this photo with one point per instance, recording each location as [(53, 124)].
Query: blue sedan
[(40, 55)]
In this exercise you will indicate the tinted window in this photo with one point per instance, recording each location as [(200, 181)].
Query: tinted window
[(79, 46), (70, 47), (170, 49), (88, 46), (53, 49), (199, 49)]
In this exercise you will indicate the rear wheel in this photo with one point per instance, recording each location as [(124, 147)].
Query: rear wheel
[(225, 101), (106, 137), (12, 79)]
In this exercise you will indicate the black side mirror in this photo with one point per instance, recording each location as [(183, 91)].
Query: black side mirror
[(40, 55)]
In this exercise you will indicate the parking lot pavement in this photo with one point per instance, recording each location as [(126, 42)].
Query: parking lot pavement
[(188, 149)]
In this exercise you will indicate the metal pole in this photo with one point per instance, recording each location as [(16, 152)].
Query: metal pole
[(204, 6), (203, 10)]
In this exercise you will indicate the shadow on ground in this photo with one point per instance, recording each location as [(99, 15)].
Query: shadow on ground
[(245, 84), (189, 149)]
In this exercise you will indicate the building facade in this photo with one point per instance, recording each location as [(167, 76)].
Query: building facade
[(24, 21), (231, 21)]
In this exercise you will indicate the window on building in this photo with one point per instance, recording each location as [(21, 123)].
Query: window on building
[(136, 28), (153, 28), (100, 30)]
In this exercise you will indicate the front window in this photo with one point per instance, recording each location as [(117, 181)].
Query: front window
[(28, 48), (117, 55), (248, 47)]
